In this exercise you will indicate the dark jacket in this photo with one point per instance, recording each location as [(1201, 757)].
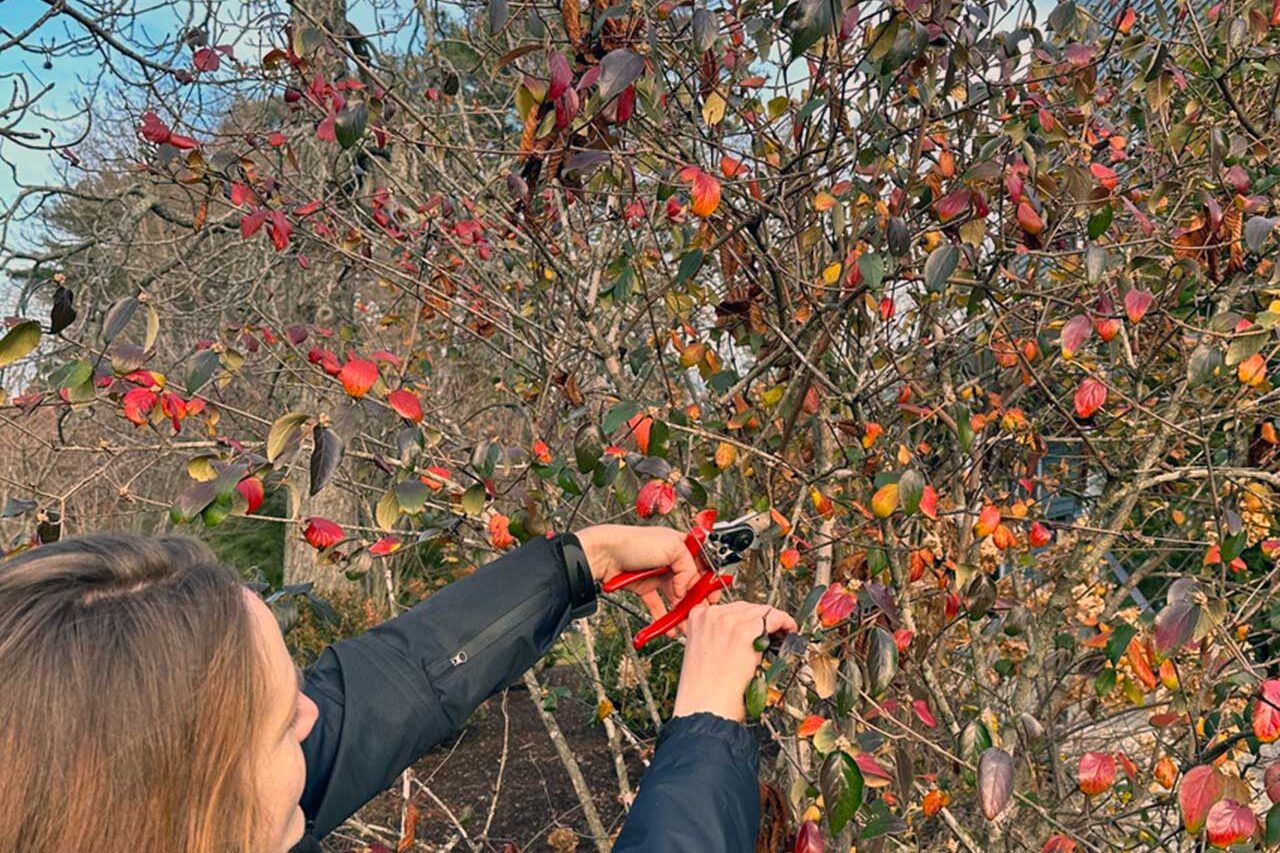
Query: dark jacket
[(392, 693)]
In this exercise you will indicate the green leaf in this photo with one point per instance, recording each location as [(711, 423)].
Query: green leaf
[(588, 447), (1243, 346), (939, 266), (910, 490), (810, 602), (882, 661), (689, 265), (872, 269), (412, 494), (473, 500), (757, 695), (19, 341), (350, 122), (201, 368), (619, 414), (841, 783), (1105, 682), (284, 432), (1100, 222), (1203, 366), (618, 70), (807, 21), (118, 316), (1118, 642), (71, 374), (325, 457)]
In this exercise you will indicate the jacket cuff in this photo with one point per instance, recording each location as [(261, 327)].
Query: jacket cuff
[(704, 724), (582, 586)]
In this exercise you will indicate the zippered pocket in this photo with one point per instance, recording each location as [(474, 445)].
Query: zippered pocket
[(477, 644)]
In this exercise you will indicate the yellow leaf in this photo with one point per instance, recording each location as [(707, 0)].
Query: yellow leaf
[(831, 274), (726, 453), (713, 109), (604, 710), (885, 500)]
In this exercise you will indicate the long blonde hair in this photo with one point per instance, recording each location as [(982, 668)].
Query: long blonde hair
[(131, 695)]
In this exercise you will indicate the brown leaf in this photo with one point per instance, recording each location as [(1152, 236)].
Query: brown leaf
[(411, 817), (572, 23)]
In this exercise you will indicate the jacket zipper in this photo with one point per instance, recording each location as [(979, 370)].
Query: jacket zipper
[(490, 634)]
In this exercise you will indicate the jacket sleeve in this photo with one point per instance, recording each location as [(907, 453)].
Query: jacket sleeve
[(700, 795), (390, 694)]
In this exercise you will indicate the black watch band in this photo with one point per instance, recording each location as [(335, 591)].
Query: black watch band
[(582, 586)]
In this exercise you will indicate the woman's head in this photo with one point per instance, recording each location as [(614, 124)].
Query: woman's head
[(148, 703)]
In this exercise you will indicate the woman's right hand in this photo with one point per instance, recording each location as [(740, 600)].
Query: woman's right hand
[(720, 658)]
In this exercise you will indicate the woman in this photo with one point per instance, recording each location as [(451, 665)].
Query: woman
[(150, 703)]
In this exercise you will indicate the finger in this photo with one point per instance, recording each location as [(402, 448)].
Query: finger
[(777, 620), (653, 602), (684, 570)]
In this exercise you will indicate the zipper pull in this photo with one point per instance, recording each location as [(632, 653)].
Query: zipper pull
[(459, 659)]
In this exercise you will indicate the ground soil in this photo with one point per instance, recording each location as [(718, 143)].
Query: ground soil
[(537, 808)]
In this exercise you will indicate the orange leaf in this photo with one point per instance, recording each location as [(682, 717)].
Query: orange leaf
[(1029, 219), (358, 376)]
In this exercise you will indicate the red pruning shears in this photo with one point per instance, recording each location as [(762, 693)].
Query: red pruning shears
[(717, 549)]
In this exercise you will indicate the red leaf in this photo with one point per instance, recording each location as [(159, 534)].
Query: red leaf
[(1271, 781), (240, 194), (1030, 221), (929, 502), (322, 533), (561, 75), (953, 204), (327, 130), (655, 496), (1079, 55), (185, 143), (902, 639), (1074, 334), (1097, 773), (808, 838), (205, 59), (153, 129), (1089, 397), (988, 521), (871, 769), (640, 426), (1175, 624), (138, 404), (358, 376), (251, 488), (251, 222), (1105, 176), (1201, 787), (731, 167), (1040, 535), (406, 404), (1058, 844), (1230, 823), (385, 545), (835, 605), (1136, 303), (921, 707), (705, 191), (1266, 712), (280, 230), (810, 726)]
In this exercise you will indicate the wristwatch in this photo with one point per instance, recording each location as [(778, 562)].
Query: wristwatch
[(582, 586)]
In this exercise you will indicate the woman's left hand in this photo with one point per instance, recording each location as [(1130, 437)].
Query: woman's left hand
[(614, 548)]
